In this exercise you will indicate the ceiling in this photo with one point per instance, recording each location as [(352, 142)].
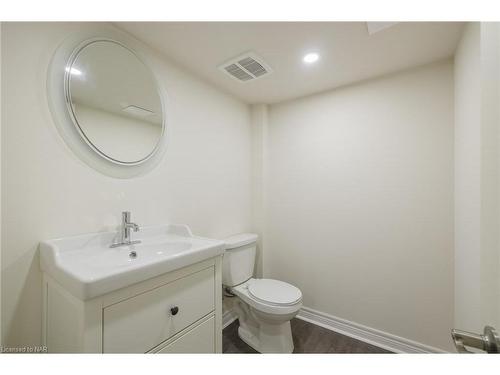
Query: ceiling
[(348, 52)]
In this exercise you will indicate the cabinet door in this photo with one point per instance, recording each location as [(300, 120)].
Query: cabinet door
[(200, 339), (140, 323)]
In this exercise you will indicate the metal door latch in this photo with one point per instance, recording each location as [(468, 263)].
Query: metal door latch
[(489, 341)]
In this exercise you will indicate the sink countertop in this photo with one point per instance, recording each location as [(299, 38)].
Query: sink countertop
[(87, 267)]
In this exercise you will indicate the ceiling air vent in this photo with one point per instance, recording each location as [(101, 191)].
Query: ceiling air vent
[(247, 67)]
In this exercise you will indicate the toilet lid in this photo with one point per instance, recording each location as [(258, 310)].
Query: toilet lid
[(274, 292)]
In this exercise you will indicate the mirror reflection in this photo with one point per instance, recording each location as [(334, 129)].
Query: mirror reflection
[(114, 101)]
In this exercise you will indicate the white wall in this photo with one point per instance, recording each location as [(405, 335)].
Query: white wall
[(490, 174), (204, 179), (359, 191), (259, 165), (477, 79), (467, 75), (1, 341)]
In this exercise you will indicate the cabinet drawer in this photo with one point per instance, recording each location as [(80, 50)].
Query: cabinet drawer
[(200, 339), (140, 323)]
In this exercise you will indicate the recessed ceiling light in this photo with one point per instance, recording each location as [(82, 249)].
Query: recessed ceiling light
[(74, 71), (310, 58)]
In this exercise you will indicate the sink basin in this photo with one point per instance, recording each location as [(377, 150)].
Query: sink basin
[(87, 267)]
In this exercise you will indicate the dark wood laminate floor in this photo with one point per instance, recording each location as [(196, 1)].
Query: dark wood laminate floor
[(307, 338)]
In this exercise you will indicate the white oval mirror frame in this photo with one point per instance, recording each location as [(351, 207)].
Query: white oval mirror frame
[(59, 99)]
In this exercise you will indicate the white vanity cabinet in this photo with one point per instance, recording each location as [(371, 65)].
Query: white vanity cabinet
[(177, 312)]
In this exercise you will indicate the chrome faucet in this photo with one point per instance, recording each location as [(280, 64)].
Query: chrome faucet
[(125, 231)]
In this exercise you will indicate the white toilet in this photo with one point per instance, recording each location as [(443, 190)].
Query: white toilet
[(264, 306)]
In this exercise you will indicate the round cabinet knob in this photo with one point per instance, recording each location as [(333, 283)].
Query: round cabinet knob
[(174, 310)]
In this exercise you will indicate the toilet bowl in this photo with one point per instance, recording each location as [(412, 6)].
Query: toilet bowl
[(265, 309), (264, 306)]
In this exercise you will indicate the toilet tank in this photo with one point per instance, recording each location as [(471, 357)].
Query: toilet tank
[(239, 259)]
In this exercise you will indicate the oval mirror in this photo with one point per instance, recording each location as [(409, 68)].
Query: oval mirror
[(114, 101)]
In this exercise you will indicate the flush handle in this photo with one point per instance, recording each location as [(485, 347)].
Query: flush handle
[(174, 310)]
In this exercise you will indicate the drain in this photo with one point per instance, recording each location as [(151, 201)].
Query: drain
[(133, 254)]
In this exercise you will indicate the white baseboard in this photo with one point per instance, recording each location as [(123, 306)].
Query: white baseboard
[(369, 335), (228, 317), (357, 331)]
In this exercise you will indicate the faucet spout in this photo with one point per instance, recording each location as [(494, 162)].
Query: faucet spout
[(125, 231), (133, 226)]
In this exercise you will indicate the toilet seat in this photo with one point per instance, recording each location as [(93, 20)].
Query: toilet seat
[(274, 292), (259, 302)]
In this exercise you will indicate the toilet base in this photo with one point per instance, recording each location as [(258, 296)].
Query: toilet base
[(248, 338), (268, 338)]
